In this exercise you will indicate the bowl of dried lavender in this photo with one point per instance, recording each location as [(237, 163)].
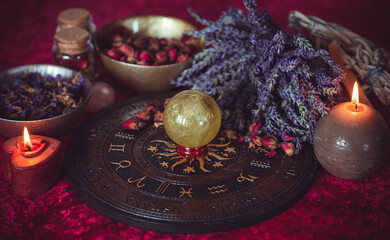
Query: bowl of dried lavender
[(144, 53), (47, 99)]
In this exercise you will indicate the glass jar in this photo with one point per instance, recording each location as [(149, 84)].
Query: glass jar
[(75, 17), (73, 49)]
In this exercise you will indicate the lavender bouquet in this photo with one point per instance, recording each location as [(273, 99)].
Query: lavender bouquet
[(257, 72)]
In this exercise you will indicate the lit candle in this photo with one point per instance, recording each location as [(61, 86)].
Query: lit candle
[(33, 164), (352, 141)]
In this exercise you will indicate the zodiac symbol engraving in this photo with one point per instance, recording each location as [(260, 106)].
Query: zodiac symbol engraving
[(215, 151), (114, 147), (249, 178), (138, 181), (188, 192), (218, 189), (122, 164), (163, 186)]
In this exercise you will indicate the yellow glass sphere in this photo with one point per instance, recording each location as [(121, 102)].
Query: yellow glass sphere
[(192, 118)]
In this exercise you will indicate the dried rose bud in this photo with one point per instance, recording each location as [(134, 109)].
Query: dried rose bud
[(163, 41), (230, 134), (113, 53), (133, 125), (173, 42), (140, 42), (151, 107), (123, 59), (182, 57), (256, 140), (130, 125), (143, 63), (241, 139), (133, 58), (129, 40), (288, 138), (272, 153), (166, 102), (144, 116), (188, 40), (126, 49), (185, 49), (172, 54), (161, 57), (270, 142), (146, 56), (169, 48), (117, 40), (255, 126), (288, 148), (158, 124), (158, 116), (154, 45)]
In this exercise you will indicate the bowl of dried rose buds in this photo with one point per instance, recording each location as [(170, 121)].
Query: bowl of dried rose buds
[(47, 99), (144, 53)]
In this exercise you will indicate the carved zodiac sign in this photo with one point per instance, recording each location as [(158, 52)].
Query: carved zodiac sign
[(138, 181), (169, 150), (183, 191), (163, 186), (218, 189), (122, 164), (249, 178), (114, 147)]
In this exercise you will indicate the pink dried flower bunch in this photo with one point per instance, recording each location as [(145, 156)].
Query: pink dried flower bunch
[(150, 113), (270, 142), (133, 48)]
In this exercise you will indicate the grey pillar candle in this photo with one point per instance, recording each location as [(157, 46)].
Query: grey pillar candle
[(350, 142)]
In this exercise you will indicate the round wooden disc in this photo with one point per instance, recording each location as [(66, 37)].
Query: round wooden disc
[(137, 177)]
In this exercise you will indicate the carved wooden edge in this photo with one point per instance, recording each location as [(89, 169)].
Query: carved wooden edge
[(229, 223), (202, 227)]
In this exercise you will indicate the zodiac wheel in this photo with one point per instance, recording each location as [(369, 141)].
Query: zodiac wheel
[(138, 178)]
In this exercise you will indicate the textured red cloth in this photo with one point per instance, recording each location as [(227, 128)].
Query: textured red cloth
[(332, 209)]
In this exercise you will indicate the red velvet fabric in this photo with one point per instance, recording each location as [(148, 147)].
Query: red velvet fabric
[(332, 209)]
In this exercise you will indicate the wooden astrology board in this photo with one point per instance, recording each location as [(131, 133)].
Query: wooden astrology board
[(137, 177)]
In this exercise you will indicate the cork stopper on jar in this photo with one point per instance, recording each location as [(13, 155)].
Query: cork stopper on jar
[(73, 40), (74, 17)]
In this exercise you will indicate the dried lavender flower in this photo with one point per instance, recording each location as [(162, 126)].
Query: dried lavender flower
[(32, 96), (256, 71)]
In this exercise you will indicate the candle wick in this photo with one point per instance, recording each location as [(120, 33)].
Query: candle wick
[(29, 148), (356, 106)]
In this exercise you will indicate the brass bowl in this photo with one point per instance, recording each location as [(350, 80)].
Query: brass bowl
[(50, 127), (143, 79)]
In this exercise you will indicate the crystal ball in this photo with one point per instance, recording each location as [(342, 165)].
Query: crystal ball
[(192, 118)]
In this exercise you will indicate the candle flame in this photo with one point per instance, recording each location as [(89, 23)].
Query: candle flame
[(26, 139), (355, 95)]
